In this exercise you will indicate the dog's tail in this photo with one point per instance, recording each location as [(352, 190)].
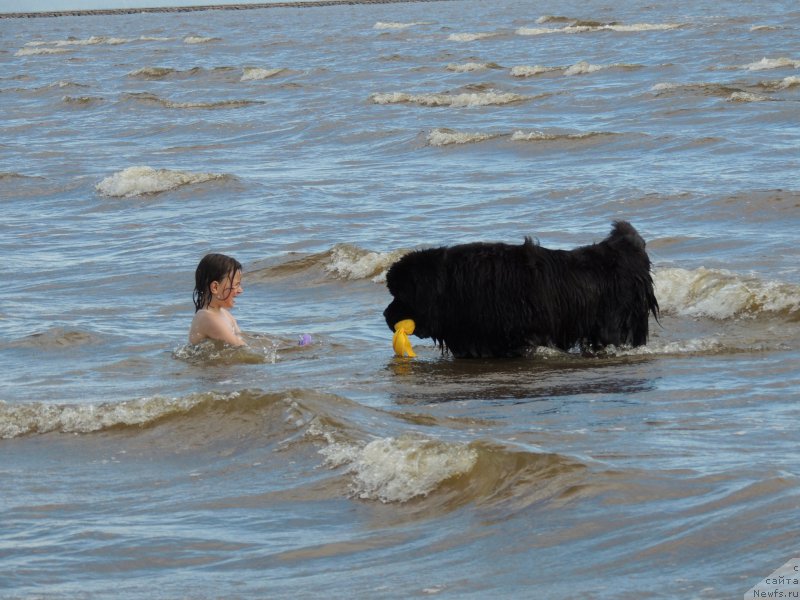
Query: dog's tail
[(622, 230)]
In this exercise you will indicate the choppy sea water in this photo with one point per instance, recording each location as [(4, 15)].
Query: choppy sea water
[(317, 146)]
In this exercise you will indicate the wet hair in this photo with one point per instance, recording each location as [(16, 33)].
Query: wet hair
[(213, 267)]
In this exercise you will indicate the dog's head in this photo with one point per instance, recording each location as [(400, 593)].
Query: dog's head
[(415, 283)]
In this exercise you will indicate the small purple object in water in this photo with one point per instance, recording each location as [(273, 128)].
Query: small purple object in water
[(305, 340)]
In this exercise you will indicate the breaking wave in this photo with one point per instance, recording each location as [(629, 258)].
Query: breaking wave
[(148, 98), (412, 466), (138, 181), (470, 37), (398, 469), (257, 74), (470, 67), (462, 100), (163, 72), (199, 39), (747, 97), (531, 71), (702, 89), (580, 68), (447, 137), (351, 262), (544, 136), (344, 261), (378, 455), (394, 25), (577, 26), (772, 63), (719, 294), (39, 51), (39, 418)]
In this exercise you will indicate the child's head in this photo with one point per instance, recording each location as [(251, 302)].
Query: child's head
[(213, 269)]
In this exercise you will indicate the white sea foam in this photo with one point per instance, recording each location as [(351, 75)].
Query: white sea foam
[(39, 51), (256, 74), (198, 39), (747, 97), (395, 25), (719, 294), (446, 137), (532, 136), (577, 27), (530, 71), (537, 30), (710, 345), (469, 37), (470, 67), (135, 181), (352, 263), (61, 46), (25, 419), (153, 72), (94, 40), (399, 469), (148, 98), (582, 68), (772, 63), (463, 100), (642, 27), (790, 81), (542, 136)]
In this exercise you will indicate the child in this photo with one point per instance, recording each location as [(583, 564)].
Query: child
[(218, 280)]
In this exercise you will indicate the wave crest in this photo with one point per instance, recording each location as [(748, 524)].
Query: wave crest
[(470, 37), (411, 467), (470, 67), (772, 63), (257, 74), (343, 261), (394, 25), (719, 294), (577, 26), (199, 39), (447, 137), (399, 469), (148, 98), (350, 262), (462, 100), (138, 181), (543, 136), (38, 418)]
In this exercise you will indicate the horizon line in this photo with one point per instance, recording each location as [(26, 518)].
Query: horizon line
[(197, 8)]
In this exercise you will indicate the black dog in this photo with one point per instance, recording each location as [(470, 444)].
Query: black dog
[(491, 299)]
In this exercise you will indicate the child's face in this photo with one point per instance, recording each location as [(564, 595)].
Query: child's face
[(224, 292)]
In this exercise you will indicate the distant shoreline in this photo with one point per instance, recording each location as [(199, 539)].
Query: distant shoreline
[(182, 9)]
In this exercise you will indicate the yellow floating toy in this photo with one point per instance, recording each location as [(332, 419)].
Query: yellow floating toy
[(400, 341)]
